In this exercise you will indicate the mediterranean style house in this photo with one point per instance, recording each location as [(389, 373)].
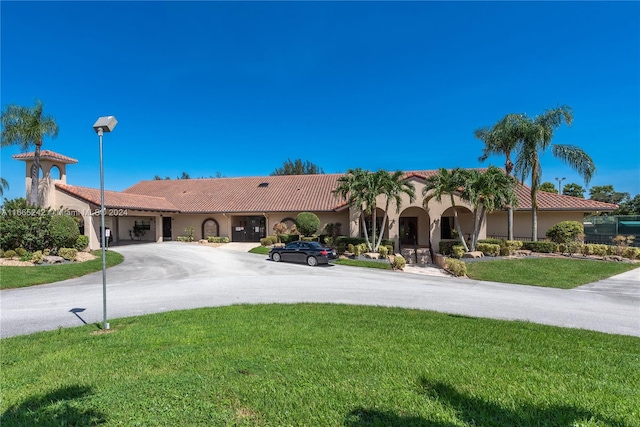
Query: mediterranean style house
[(246, 209)]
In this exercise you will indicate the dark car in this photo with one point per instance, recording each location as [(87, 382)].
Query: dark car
[(313, 253)]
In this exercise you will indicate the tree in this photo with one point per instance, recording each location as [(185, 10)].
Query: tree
[(446, 183), (606, 193), (3, 185), (357, 188), (392, 186), (184, 176), (298, 167), (536, 136), (629, 207), (574, 190), (549, 187), (502, 138), (487, 191), (26, 126), (307, 223)]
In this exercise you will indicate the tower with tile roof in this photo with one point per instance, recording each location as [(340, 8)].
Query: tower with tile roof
[(53, 170)]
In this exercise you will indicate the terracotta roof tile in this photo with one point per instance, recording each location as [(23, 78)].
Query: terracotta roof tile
[(283, 193), (118, 200), (45, 154)]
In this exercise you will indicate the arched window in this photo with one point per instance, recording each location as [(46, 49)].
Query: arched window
[(210, 228), (55, 172)]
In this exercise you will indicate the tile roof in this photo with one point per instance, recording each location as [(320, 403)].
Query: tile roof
[(118, 200), (284, 193), (46, 154)]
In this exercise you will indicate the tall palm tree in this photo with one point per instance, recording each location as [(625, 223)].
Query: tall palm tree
[(487, 191), (393, 187), (356, 188), (502, 138), (536, 136), (26, 126), (446, 183), (3, 184)]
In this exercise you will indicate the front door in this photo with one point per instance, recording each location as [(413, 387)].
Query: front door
[(166, 228), (409, 230), (250, 229)]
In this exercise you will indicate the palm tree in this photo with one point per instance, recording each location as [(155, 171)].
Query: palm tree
[(443, 183), (487, 191), (502, 138), (536, 136), (393, 186), (355, 187), (3, 184), (26, 126)]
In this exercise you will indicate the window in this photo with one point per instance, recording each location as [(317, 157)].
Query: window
[(447, 226)]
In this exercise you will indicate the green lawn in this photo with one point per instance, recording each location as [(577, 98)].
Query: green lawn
[(18, 277), (262, 250), (363, 263), (319, 365), (559, 273)]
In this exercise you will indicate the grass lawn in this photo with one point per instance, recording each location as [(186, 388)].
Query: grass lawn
[(18, 277), (262, 250), (363, 263), (319, 365), (559, 273)]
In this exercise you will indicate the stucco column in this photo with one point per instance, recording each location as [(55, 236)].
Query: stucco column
[(354, 222), (394, 230), (158, 223)]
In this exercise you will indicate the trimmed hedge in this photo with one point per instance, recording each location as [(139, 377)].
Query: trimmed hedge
[(543, 247), (489, 249), (399, 263), (69, 254), (214, 239), (457, 267), (82, 242)]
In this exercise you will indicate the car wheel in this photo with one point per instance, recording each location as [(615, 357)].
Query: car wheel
[(276, 257), (312, 261)]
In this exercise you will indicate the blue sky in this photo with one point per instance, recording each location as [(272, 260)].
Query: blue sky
[(239, 87)]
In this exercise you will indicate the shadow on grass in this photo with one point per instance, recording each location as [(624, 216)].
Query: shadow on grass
[(60, 407), (473, 411)]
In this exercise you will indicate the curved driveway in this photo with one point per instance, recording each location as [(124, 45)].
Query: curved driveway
[(175, 276)]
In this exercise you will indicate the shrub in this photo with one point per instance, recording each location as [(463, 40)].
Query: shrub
[(82, 242), (489, 249), (543, 247), (570, 248), (265, 241), (26, 257), (68, 253), (189, 233), (513, 245), (63, 231), (351, 248), (21, 251), (457, 251), (9, 254), (499, 242), (383, 251), (29, 231), (37, 257), (349, 240), (216, 239), (399, 263), (566, 232), (389, 249), (594, 249), (357, 250), (341, 248), (622, 242), (445, 247), (457, 267), (631, 253), (46, 252)]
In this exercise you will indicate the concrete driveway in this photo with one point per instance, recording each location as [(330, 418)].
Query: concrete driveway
[(174, 276)]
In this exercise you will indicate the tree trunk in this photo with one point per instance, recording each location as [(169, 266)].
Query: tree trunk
[(510, 223), (384, 222), (534, 224), (374, 219), (459, 229), (35, 175), (478, 221), (364, 227)]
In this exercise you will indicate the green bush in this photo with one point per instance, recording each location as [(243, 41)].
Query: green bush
[(489, 249), (21, 251), (63, 231), (69, 254), (566, 232), (351, 248), (307, 223), (37, 257), (570, 248), (341, 248), (189, 233), (46, 252), (383, 251), (513, 245), (399, 263), (542, 247), (631, 253), (267, 241), (445, 247), (82, 242), (9, 254), (499, 242), (457, 251), (457, 267), (349, 240), (224, 239), (357, 250), (24, 226), (389, 249)]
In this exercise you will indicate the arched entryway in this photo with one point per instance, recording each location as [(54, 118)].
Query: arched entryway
[(414, 227), (210, 228), (448, 229)]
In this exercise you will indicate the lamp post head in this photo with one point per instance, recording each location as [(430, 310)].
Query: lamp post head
[(105, 124)]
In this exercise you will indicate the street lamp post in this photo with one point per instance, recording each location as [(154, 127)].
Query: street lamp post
[(102, 125), (560, 184)]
